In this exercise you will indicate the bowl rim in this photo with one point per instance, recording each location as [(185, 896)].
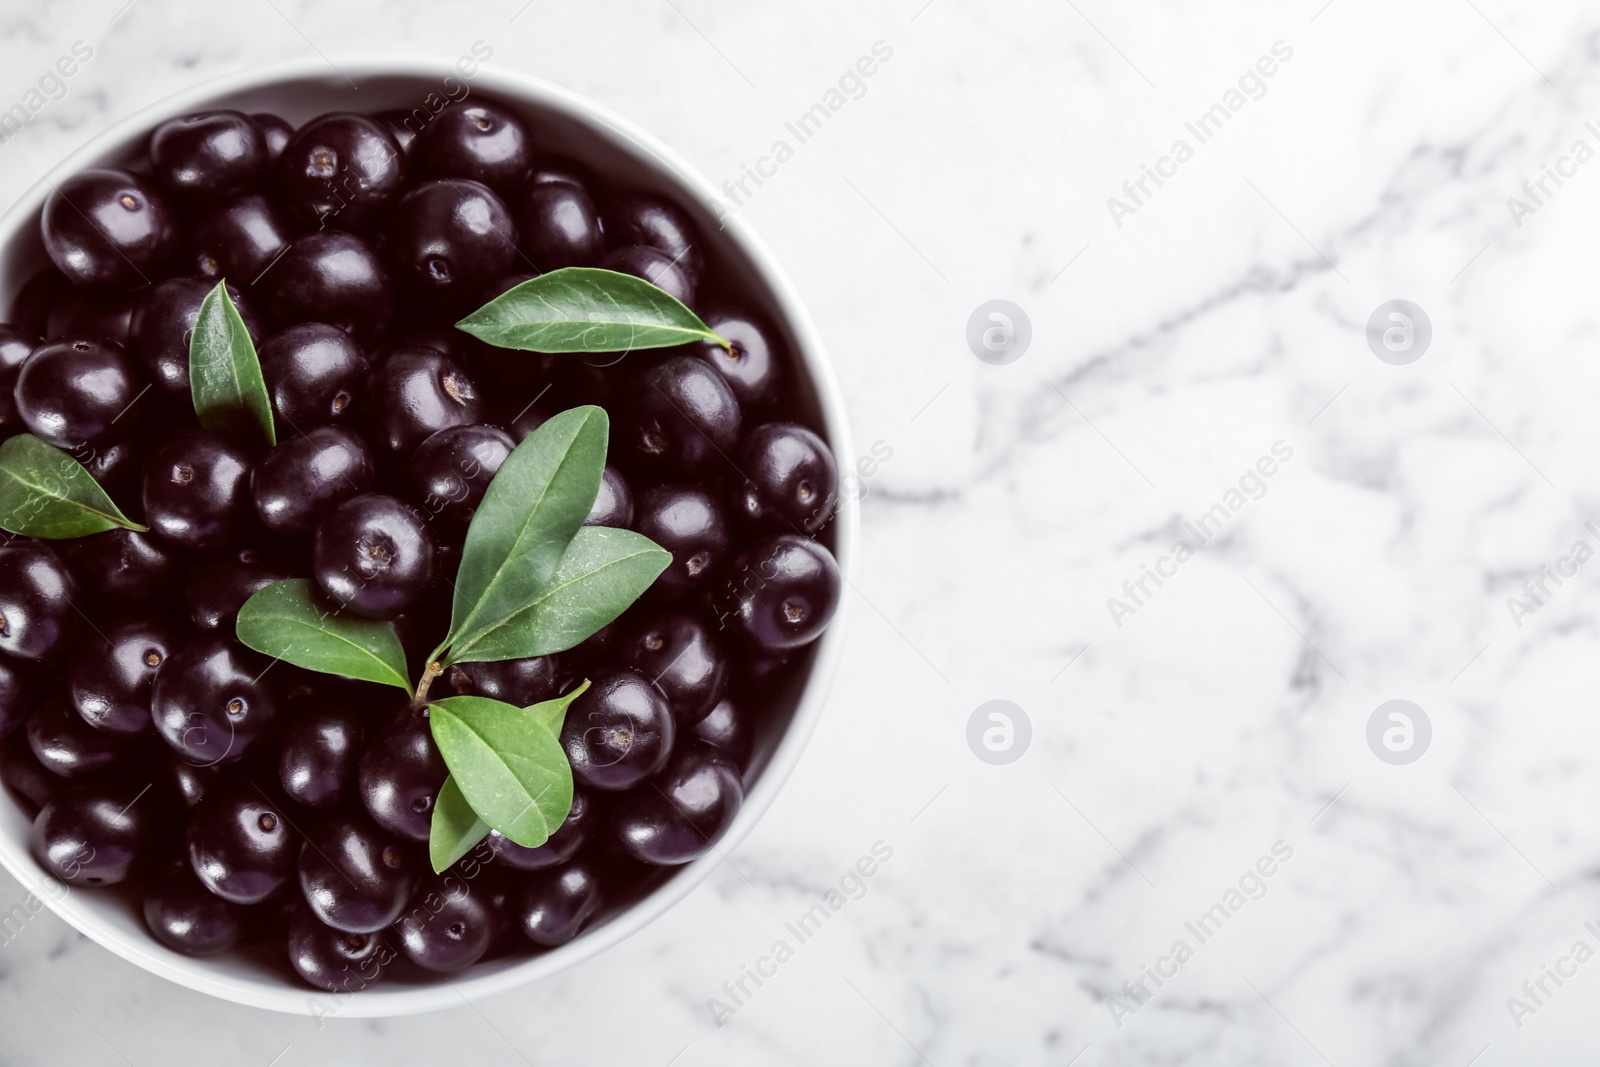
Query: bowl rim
[(284, 996)]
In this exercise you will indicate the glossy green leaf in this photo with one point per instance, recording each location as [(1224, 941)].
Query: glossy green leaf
[(603, 571), (224, 374), (585, 309), (535, 504), (507, 763), (285, 621), (455, 829), (552, 714), (46, 493)]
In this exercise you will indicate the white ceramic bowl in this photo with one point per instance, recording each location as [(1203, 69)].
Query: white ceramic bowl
[(567, 124)]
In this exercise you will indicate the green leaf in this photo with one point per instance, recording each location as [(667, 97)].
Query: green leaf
[(585, 309), (455, 827), (536, 503), (509, 766), (224, 373), (46, 493), (285, 621), (604, 570), (552, 714)]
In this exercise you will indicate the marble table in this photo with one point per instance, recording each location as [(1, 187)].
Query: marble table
[(1215, 848)]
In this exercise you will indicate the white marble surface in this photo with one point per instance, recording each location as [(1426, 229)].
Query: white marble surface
[(1225, 315)]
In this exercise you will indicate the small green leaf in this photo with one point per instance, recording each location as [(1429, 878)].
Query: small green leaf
[(535, 504), (455, 827), (552, 714), (224, 373), (585, 309), (46, 493), (604, 570), (509, 766), (285, 621)]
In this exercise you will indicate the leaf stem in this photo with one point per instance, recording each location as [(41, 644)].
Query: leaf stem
[(433, 670)]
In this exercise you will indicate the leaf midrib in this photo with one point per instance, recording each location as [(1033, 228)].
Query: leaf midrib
[(477, 637), (516, 542), (60, 499), (115, 516), (534, 798), (313, 628), (225, 342)]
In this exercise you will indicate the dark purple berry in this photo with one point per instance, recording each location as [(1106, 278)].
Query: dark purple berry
[(789, 481), (549, 169), (562, 845), (336, 960), (192, 781), (117, 466), (341, 170), (448, 927), (522, 682), (313, 373), (679, 655), (554, 905), (560, 226), (66, 745), (332, 277), (687, 521), (94, 834), (452, 469), (197, 490), (449, 239), (21, 772), (19, 687), (241, 844), (240, 239), (373, 555), (752, 366), (188, 918), (121, 564), (208, 155), (213, 699), (299, 482), (73, 392), (684, 811), (37, 594), (318, 755), (108, 229), (275, 133), (650, 220), (619, 732), (112, 672), (780, 593), (354, 876), (399, 124), (415, 392), (400, 774), (481, 141), (726, 728), (16, 345), (684, 420)]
